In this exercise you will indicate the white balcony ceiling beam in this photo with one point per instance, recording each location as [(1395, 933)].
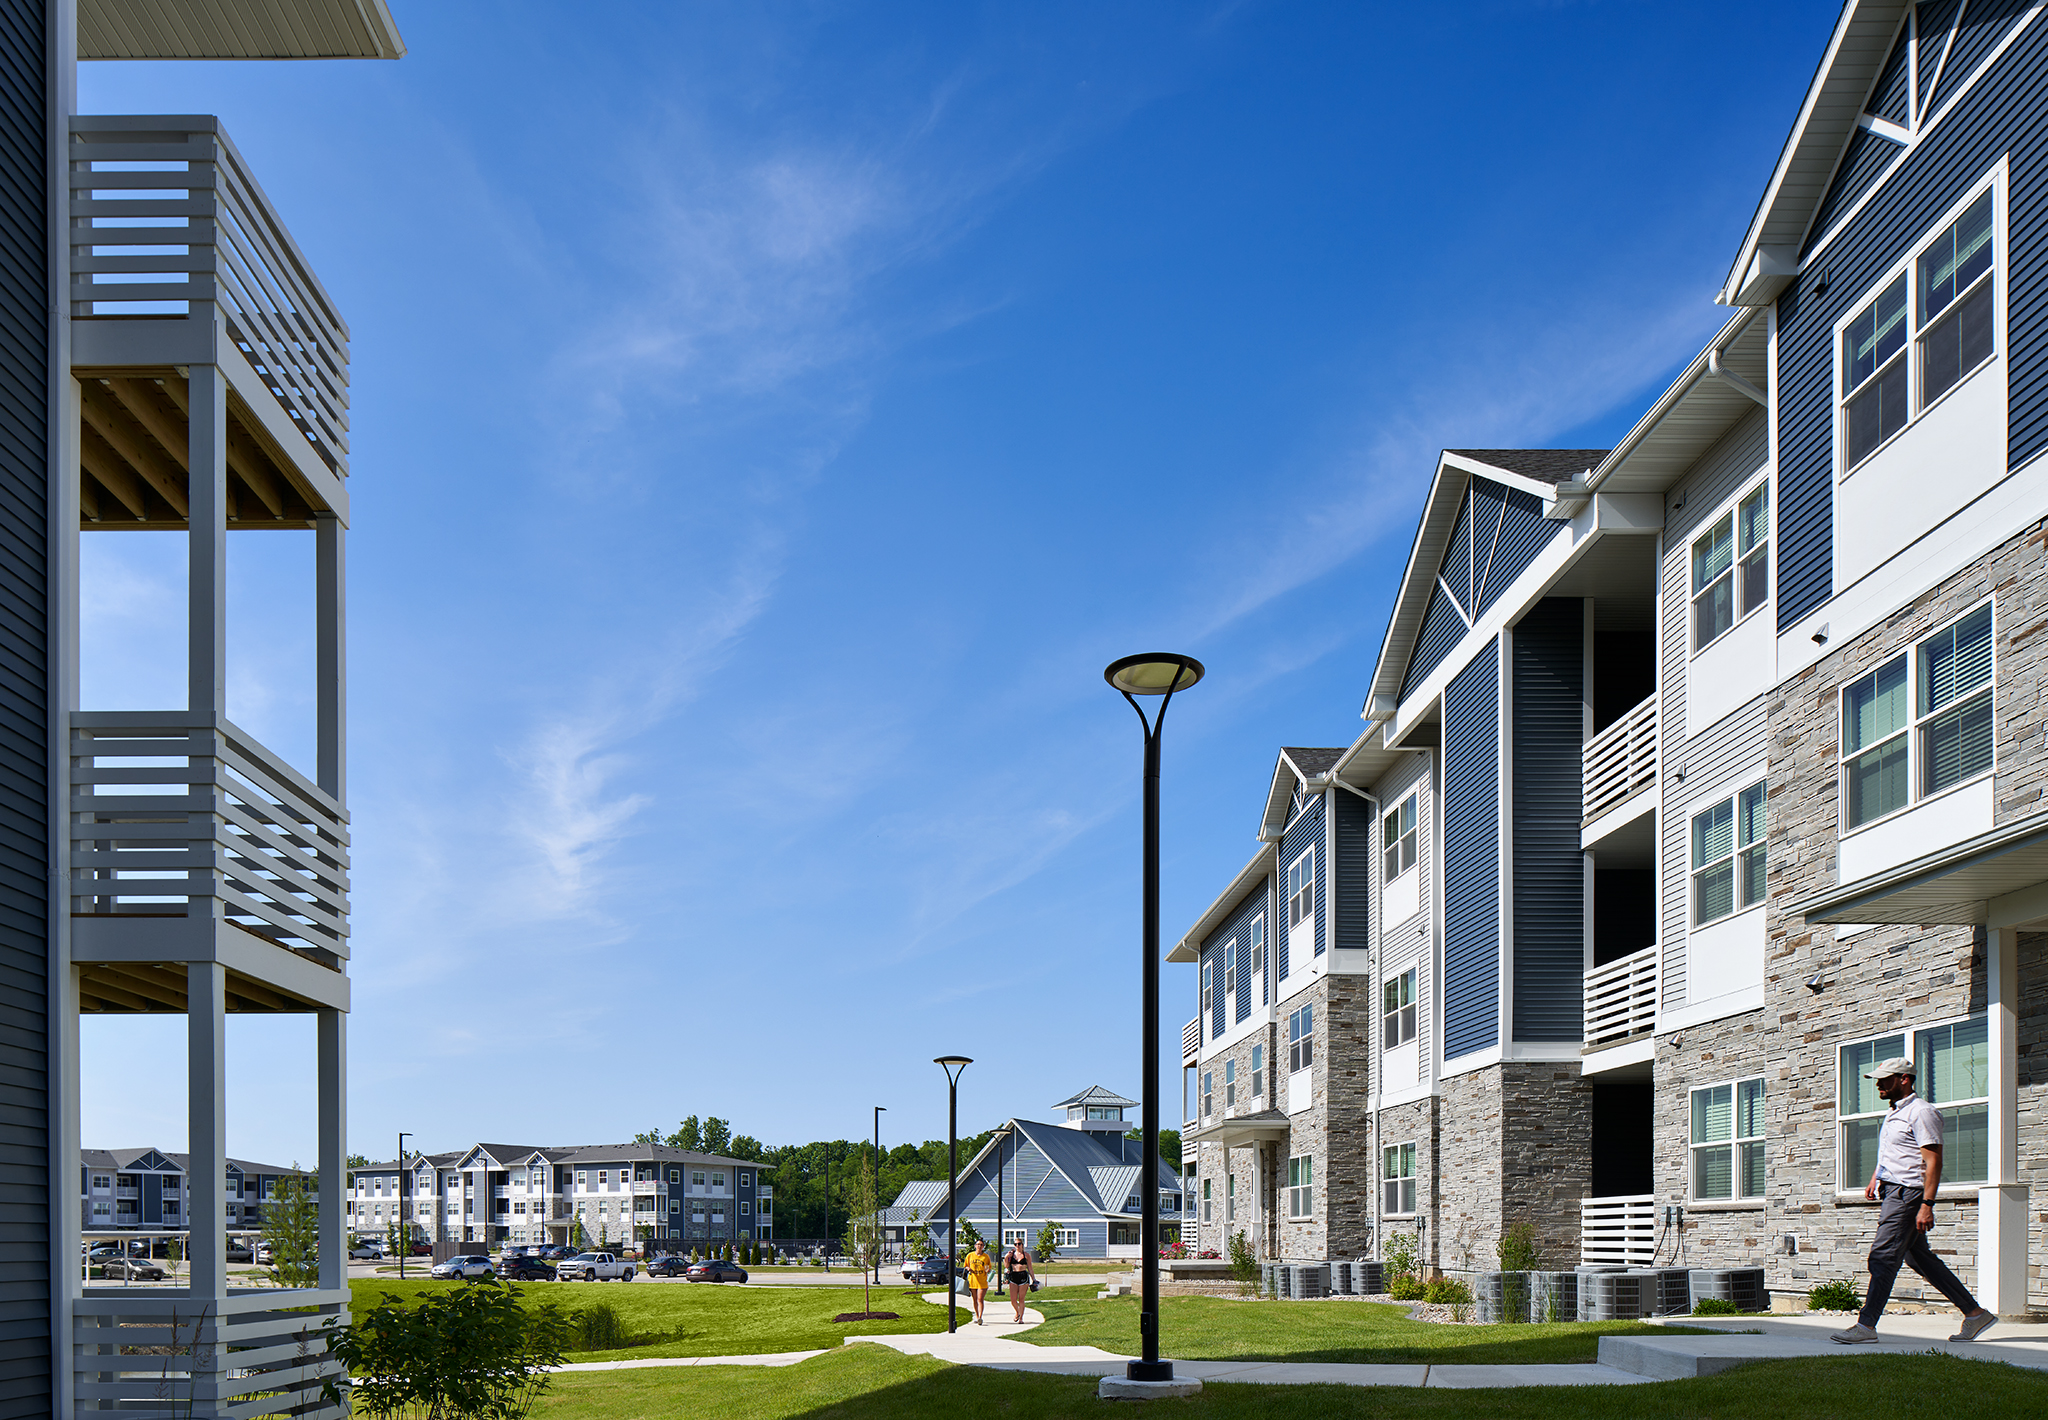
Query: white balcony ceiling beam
[(237, 29)]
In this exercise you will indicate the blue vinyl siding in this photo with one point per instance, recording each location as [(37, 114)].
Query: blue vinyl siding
[(2006, 115), (1238, 927), (1305, 832), (1524, 532), (1472, 856), (1456, 571), (1889, 95), (1868, 157), (1985, 23), (1935, 18), (152, 1200), (1442, 629), (25, 364), (1549, 868), (1353, 863)]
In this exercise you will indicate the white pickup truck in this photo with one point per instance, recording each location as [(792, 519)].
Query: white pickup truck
[(595, 1267)]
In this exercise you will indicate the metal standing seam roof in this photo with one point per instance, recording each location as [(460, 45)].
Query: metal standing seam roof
[(237, 29), (1096, 1095), (1115, 1183), (1075, 1153)]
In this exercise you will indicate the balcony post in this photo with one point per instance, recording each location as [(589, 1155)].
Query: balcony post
[(331, 651), (2002, 1203), (207, 533), (206, 1007), (333, 1075)]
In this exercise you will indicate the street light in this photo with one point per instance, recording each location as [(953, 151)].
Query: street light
[(404, 1228), (1133, 676), (954, 1066)]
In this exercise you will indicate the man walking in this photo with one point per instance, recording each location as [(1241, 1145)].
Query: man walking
[(1907, 1177)]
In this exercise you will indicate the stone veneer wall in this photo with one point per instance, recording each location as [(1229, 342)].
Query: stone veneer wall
[(1516, 1144), (1416, 1124), (1720, 1234)]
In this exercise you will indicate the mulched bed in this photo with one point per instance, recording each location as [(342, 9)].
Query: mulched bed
[(865, 1316)]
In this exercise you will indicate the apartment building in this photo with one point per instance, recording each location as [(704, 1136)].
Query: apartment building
[(144, 1190), (1702, 772), (169, 361), (495, 1194)]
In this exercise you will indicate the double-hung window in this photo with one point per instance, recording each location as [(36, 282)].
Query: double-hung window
[(1208, 1204), (1731, 566), (1728, 1141), (1301, 889), (1229, 1083), (1397, 839), (1942, 329), (1208, 986), (1728, 856), (1954, 1061), (1397, 1181), (1300, 1186), (1230, 1198), (1208, 1093), (1397, 1009), (1301, 1041), (1258, 1073), (1229, 968), (1259, 944), (1938, 718)]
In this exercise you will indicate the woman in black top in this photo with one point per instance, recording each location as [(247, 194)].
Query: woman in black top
[(1020, 1273)]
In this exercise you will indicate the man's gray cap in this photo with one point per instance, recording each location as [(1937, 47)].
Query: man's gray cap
[(1897, 1065)]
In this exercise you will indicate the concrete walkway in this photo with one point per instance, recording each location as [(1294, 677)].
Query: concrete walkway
[(1778, 1337)]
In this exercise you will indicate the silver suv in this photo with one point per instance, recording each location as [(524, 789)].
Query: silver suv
[(469, 1268)]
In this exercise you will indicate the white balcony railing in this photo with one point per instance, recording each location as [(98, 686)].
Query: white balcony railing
[(194, 233), (163, 1353), (1191, 1041), (152, 837), (1621, 760), (1621, 998), (646, 1185), (1620, 1231)]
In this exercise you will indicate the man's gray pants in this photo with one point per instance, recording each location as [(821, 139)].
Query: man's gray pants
[(1900, 1244)]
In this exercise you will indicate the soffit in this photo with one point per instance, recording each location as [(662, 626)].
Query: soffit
[(237, 29), (1955, 885), (1692, 415), (1189, 947)]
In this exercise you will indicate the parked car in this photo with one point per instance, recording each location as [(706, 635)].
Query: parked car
[(595, 1267), (526, 1269), (422, 1249), (131, 1268), (715, 1270), (558, 1252), (102, 1251), (366, 1248), (668, 1266), (239, 1250), (930, 1272), (468, 1267)]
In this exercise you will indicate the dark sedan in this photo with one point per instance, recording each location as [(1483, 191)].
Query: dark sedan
[(931, 1271), (715, 1271), (526, 1269), (668, 1267)]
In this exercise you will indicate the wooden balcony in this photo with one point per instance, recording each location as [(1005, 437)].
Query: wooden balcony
[(1621, 999), (1621, 761)]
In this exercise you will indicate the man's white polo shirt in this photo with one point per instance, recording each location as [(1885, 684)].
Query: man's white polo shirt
[(1912, 1125)]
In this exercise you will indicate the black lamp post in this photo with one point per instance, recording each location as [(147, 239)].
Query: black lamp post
[(953, 1065), (1157, 674)]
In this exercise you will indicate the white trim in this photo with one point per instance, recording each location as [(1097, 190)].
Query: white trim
[(1915, 725)]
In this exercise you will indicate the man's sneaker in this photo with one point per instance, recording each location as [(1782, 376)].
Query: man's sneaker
[(1976, 1326), (1857, 1335)]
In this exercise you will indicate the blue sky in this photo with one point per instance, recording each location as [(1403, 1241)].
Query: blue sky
[(769, 419)]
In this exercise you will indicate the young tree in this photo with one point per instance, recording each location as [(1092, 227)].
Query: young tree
[(1048, 1244), (578, 1239), (864, 1235), (291, 1225), (396, 1243), (917, 1238), (461, 1351)]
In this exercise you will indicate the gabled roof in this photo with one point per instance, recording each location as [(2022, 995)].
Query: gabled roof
[(1294, 764), (119, 1159), (1551, 466), (1075, 1154), (1251, 877), (1856, 53), (1096, 1095), (1114, 1184), (237, 29)]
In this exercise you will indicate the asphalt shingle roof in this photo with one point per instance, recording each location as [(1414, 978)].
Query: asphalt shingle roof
[(1544, 465), (1311, 760)]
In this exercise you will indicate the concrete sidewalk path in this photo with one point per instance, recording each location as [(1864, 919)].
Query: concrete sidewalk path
[(771, 1358), (1760, 1338)]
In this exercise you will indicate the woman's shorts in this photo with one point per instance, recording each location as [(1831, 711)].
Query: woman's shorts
[(1018, 1279)]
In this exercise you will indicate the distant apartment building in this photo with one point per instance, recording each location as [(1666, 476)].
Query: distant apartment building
[(492, 1194), (145, 1190)]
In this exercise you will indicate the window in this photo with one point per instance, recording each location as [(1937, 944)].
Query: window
[(1397, 1183), (101, 1208), (1230, 1198), (1397, 1009), (675, 1175), (1208, 982), (1069, 1237), (1259, 943), (1728, 859), (1258, 1073), (102, 1180), (582, 1178), (170, 1183), (718, 1180), (602, 1175), (697, 1177), (170, 1208), (745, 1208), (1955, 319), (1954, 1061), (1229, 1083), (1300, 1186), (1945, 725), (746, 1180), (1731, 567), (1207, 1184), (1208, 1093), (1301, 889), (1301, 1045), (1229, 967), (1397, 839), (1728, 1141)]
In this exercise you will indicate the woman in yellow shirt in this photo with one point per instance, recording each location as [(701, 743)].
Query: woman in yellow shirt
[(978, 1264)]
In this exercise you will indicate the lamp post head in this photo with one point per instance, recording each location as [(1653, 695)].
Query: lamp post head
[(952, 1065), (1154, 673)]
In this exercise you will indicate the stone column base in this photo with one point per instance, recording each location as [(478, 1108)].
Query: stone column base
[(2002, 1250)]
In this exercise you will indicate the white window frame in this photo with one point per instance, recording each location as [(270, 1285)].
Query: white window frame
[(1301, 1038), (1397, 1020), (1258, 1073), (1301, 1186), (1397, 1180), (1737, 1143), (1069, 1237), (1208, 1093), (1399, 838), (1749, 562), (1207, 1205), (1208, 992), (1229, 1083), (1919, 722), (1230, 1198), (1741, 853), (1229, 975), (1913, 352), (1906, 1041), (1258, 936), (1301, 888)]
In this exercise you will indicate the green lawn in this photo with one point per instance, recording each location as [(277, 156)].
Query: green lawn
[(875, 1383), (705, 1320), (1224, 1329)]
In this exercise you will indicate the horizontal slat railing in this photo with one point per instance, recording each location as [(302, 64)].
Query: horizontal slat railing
[(166, 217), (1621, 760), (1621, 998), (164, 1353), (247, 830), (1618, 1231), (1191, 1041)]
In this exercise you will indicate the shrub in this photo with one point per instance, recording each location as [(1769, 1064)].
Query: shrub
[(1244, 1267), (1401, 1252), (459, 1352), (1447, 1291), (1715, 1306), (1405, 1287), (1834, 1297), (1518, 1250), (598, 1328)]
